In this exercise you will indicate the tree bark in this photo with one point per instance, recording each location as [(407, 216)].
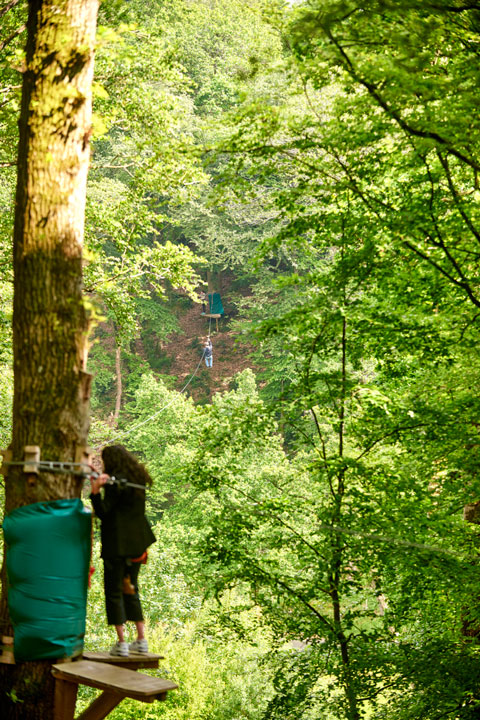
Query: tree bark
[(118, 372), (210, 281), (337, 549), (50, 322)]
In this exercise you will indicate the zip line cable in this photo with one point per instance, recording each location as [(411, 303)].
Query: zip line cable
[(125, 433), (85, 471), (77, 469)]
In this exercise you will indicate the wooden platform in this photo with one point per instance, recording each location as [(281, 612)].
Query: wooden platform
[(117, 680), (134, 661), (215, 316)]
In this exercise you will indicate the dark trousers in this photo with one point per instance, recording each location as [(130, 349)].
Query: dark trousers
[(121, 607)]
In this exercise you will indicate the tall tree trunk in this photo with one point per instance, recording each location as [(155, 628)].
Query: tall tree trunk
[(337, 549), (118, 372), (210, 281), (50, 324)]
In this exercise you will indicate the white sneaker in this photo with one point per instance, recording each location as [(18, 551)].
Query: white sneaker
[(139, 646), (120, 649)]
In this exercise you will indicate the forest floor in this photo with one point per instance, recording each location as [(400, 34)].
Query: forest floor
[(186, 348)]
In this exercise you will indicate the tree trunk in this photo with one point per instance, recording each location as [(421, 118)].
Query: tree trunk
[(210, 281), (118, 372), (50, 323), (337, 549)]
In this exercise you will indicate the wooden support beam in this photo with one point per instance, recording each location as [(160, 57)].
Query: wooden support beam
[(116, 683), (31, 457), (101, 706), (65, 699)]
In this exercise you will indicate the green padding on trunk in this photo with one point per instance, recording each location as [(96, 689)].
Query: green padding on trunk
[(48, 557)]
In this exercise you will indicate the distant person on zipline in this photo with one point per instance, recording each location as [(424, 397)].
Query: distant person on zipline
[(126, 535), (208, 353)]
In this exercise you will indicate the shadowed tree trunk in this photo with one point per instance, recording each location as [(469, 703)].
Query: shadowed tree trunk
[(118, 372), (50, 323)]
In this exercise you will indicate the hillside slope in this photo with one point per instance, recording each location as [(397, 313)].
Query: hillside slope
[(185, 349)]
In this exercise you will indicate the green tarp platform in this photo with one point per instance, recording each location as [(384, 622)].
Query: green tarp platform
[(215, 306)]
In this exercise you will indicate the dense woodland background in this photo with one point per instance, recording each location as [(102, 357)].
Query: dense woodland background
[(317, 163)]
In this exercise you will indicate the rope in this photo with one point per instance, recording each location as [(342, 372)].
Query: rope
[(87, 472), (123, 482), (125, 433), (82, 470), (78, 469), (54, 466)]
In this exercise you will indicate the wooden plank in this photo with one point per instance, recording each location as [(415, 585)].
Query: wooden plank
[(6, 650), (114, 679), (133, 662), (65, 699), (101, 706)]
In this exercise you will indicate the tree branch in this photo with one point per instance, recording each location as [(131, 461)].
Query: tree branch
[(9, 88), (456, 196), (275, 517), (16, 32), (296, 594), (398, 429), (455, 8), (391, 112), (453, 280), (471, 322), (8, 6)]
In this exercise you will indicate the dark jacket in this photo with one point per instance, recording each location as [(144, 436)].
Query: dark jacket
[(125, 530)]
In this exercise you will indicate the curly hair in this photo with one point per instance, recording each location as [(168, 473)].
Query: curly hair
[(118, 461)]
